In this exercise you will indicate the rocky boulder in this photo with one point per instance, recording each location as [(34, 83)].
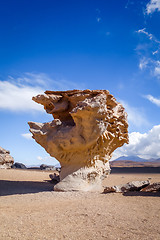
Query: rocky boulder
[(47, 167), (154, 187), (6, 160), (19, 165), (130, 186), (54, 177), (88, 126)]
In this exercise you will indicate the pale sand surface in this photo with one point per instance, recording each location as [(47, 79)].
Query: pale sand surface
[(29, 209)]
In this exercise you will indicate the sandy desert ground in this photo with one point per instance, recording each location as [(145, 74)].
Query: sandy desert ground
[(29, 209)]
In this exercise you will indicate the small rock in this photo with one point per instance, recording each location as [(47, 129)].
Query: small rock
[(54, 177), (58, 169), (154, 187), (109, 189), (47, 167), (130, 186)]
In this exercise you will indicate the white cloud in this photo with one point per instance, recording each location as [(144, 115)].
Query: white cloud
[(152, 6), (39, 158), (149, 35), (15, 97), (43, 81), (154, 42), (155, 52), (48, 160), (16, 93), (98, 19), (154, 100), (28, 136), (143, 63), (136, 116), (151, 64), (148, 53), (145, 145), (32, 79), (157, 69)]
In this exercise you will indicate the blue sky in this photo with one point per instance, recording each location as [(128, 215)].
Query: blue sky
[(60, 45)]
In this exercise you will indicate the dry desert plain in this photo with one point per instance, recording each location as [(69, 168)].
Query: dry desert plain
[(30, 209)]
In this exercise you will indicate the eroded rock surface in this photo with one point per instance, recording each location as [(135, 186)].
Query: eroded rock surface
[(87, 127), (154, 187), (6, 160)]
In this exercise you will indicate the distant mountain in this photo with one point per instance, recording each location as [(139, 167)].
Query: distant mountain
[(132, 158), (134, 161), (155, 160), (38, 166)]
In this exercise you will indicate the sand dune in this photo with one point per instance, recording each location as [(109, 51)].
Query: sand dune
[(31, 210)]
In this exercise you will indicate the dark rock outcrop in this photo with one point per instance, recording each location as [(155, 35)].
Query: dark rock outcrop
[(19, 165), (47, 167)]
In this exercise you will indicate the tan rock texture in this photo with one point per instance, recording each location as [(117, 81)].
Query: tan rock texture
[(6, 160), (154, 187), (88, 126)]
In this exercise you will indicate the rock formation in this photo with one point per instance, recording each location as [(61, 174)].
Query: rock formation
[(130, 186), (54, 177), (6, 160), (154, 187), (88, 126), (19, 165), (47, 167)]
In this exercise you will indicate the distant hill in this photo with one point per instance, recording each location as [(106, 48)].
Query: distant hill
[(131, 158), (135, 163)]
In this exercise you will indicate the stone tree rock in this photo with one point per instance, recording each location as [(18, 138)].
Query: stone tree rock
[(88, 126), (6, 160)]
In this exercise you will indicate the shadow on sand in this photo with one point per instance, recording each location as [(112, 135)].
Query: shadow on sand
[(150, 170), (24, 187), (142, 194)]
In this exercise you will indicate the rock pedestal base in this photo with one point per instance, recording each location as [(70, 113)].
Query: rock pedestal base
[(84, 179)]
